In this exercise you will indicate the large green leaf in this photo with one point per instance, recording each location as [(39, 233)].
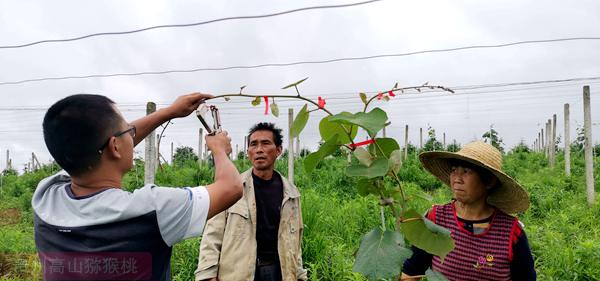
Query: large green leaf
[(381, 254), (299, 122), (363, 156), (426, 235), (312, 160), (294, 84), (388, 145), (433, 275), (328, 129), (367, 186), (395, 161), (378, 168), (372, 122)]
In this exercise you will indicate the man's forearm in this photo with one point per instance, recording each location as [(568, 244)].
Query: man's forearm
[(225, 170), (148, 123)]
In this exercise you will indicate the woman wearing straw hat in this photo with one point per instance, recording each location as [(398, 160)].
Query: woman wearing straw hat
[(489, 243)]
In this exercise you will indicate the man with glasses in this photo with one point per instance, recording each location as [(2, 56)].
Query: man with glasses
[(86, 226)]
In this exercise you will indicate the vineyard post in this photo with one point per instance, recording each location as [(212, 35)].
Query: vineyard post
[(549, 132), (290, 146), (406, 142), (8, 162), (589, 161), (237, 152), (547, 146), (421, 138), (445, 140), (205, 155), (384, 133), (35, 161), (297, 146), (567, 142), (543, 147), (245, 145), (150, 150), (553, 144), (171, 153), (200, 146), (539, 142)]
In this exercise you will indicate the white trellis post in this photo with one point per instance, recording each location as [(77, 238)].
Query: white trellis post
[(567, 141), (589, 160), (150, 150)]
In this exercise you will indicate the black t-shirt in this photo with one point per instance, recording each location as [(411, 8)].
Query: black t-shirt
[(269, 196)]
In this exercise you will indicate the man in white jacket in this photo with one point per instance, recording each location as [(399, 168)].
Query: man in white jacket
[(259, 237)]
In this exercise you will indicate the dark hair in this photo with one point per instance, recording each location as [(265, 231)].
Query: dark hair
[(266, 126), (76, 127), (487, 177)]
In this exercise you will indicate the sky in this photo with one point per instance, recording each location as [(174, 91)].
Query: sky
[(384, 27)]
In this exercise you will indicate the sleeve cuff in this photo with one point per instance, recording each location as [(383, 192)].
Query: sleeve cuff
[(200, 204)]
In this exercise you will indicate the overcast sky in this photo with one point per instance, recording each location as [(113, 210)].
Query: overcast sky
[(384, 27)]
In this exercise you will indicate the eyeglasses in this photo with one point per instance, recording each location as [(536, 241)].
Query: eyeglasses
[(131, 131)]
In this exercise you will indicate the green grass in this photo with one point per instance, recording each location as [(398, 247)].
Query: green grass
[(561, 228)]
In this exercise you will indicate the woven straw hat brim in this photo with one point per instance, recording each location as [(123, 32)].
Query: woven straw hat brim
[(509, 197)]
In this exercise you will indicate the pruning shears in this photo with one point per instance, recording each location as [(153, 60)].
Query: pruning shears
[(212, 122)]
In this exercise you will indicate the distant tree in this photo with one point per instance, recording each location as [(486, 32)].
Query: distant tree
[(432, 143), (520, 147), (241, 155), (453, 147), (183, 155), (577, 144), (492, 137)]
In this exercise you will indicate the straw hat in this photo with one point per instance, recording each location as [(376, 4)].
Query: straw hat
[(509, 196)]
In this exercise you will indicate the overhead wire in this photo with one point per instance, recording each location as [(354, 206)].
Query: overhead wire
[(321, 7), (223, 68)]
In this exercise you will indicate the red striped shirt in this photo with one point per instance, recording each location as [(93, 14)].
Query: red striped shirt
[(476, 257)]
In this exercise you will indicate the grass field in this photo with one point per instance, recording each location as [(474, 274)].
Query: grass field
[(561, 228)]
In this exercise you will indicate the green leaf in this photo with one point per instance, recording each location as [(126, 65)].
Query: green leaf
[(363, 156), (433, 275), (378, 168), (275, 109), (363, 97), (328, 129), (381, 254), (366, 187), (312, 160), (395, 161), (294, 84), (256, 101), (386, 98), (299, 121), (388, 145), (426, 235), (372, 122)]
